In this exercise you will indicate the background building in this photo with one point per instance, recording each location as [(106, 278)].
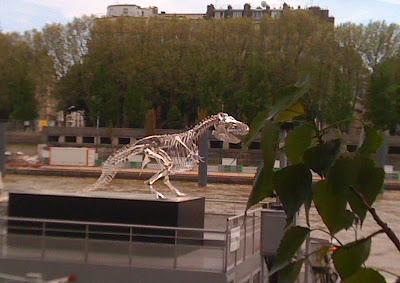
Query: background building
[(131, 10), (260, 12)]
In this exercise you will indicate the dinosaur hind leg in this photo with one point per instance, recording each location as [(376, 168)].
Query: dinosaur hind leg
[(172, 188), (152, 180)]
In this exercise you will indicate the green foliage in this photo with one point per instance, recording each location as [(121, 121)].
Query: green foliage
[(234, 66), (331, 206), (292, 240), (321, 157), (256, 125), (383, 100), (369, 183), (349, 258), (366, 275), (293, 185), (347, 181), (175, 118), (17, 86), (373, 141), (290, 273), (263, 185), (298, 141), (24, 102), (150, 122), (287, 99)]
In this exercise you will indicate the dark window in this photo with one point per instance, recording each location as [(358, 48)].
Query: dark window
[(255, 145), (394, 150), (52, 138), (235, 146), (105, 140), (88, 139), (124, 140), (351, 147), (216, 144), (71, 139)]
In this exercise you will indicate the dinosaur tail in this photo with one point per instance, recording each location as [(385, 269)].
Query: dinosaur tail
[(110, 166)]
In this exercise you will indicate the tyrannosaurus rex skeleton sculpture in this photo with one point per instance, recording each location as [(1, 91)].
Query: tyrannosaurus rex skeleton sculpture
[(173, 152)]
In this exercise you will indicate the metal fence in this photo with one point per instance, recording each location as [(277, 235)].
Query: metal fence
[(217, 250)]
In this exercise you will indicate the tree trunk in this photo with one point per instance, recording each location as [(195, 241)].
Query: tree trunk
[(381, 156), (2, 147)]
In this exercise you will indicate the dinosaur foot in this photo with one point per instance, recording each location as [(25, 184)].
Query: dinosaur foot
[(179, 194), (159, 195)]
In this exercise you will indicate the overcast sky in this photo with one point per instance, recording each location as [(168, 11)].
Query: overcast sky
[(20, 15)]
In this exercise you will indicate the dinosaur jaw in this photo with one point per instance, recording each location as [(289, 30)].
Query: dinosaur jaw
[(225, 136), (231, 133)]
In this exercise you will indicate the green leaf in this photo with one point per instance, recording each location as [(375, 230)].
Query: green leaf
[(349, 258), (293, 185), (331, 206), (289, 97), (290, 244), (366, 275), (342, 174), (291, 113), (290, 273), (369, 182), (262, 188), (320, 158), (255, 126), (357, 206), (269, 143), (372, 142), (298, 141)]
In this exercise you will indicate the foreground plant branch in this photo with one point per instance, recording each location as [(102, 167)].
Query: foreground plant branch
[(387, 230)]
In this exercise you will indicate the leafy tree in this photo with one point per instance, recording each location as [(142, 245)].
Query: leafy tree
[(17, 89), (383, 100), (175, 119), (235, 65), (150, 122), (376, 41)]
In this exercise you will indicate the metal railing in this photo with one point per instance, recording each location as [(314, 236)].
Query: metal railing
[(130, 245), (249, 227)]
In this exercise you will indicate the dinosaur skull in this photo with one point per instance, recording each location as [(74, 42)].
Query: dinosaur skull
[(229, 129)]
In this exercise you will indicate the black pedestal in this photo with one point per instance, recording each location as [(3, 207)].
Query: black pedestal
[(106, 208)]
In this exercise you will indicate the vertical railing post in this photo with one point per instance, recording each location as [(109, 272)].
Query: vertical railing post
[(225, 259), (203, 152), (130, 245), (175, 247), (254, 232), (43, 254), (2, 234), (245, 236), (86, 243), (2, 147)]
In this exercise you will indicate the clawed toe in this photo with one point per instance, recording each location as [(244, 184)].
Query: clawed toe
[(160, 196)]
